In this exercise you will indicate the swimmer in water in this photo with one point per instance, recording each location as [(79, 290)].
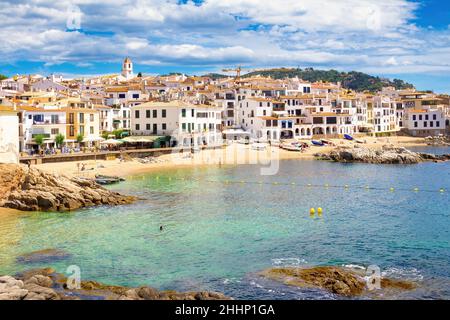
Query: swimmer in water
[(160, 228)]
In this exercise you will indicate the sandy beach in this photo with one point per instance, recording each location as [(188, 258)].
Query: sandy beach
[(233, 154)]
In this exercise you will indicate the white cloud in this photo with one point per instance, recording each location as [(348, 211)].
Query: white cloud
[(348, 34)]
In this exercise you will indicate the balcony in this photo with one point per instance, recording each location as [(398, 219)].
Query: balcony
[(43, 123)]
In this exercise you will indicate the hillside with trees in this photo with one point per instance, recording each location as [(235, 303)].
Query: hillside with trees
[(354, 80)]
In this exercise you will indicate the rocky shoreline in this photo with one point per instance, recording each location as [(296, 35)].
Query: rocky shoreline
[(30, 189), (46, 284), (385, 155)]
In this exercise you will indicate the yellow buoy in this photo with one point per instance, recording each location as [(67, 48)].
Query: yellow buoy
[(391, 189), (293, 183), (441, 190), (326, 185), (309, 184), (367, 187), (312, 211), (346, 186), (319, 210), (275, 183), (416, 189)]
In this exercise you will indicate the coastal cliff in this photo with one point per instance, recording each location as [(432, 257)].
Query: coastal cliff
[(385, 155), (30, 189)]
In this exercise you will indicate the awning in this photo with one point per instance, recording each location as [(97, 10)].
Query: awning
[(93, 139), (141, 139)]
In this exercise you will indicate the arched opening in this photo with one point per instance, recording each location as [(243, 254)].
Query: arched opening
[(287, 134)]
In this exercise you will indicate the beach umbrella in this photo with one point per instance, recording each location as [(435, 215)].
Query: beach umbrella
[(111, 142)]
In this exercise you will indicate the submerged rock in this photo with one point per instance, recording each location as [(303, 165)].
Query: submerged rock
[(45, 255), (387, 154), (35, 190), (337, 280)]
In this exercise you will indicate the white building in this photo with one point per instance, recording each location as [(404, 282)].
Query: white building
[(424, 122), (46, 122), (187, 123), (9, 135)]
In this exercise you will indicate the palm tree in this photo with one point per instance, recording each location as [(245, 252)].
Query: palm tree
[(59, 139)]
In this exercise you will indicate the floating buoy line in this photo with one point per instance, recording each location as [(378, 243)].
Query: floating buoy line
[(346, 187)]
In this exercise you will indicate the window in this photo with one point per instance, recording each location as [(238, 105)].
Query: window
[(91, 130), (91, 117), (121, 95), (55, 131), (135, 95), (434, 117), (183, 113), (425, 124), (81, 117), (415, 124), (136, 114), (155, 128), (71, 131), (147, 126), (155, 113), (147, 113), (192, 113), (163, 113), (82, 130), (420, 117), (164, 126), (438, 124), (431, 124), (183, 127), (426, 117), (138, 127), (414, 117)]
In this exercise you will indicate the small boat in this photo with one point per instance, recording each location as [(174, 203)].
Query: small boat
[(317, 143), (359, 141), (348, 137), (291, 147), (325, 141), (259, 146)]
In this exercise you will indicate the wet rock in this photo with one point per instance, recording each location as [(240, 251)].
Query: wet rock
[(338, 280), (35, 190), (334, 279), (147, 293), (45, 255), (387, 155), (25, 275)]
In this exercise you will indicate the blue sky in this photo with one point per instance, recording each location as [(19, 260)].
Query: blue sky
[(403, 39)]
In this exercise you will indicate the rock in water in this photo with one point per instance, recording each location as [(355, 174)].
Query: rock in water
[(36, 190), (46, 255), (387, 154), (338, 280), (334, 279)]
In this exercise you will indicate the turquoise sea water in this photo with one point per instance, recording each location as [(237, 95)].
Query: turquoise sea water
[(218, 235)]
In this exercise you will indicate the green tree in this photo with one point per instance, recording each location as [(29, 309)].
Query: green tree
[(59, 139), (39, 139), (105, 134), (139, 75), (2, 77), (80, 138)]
